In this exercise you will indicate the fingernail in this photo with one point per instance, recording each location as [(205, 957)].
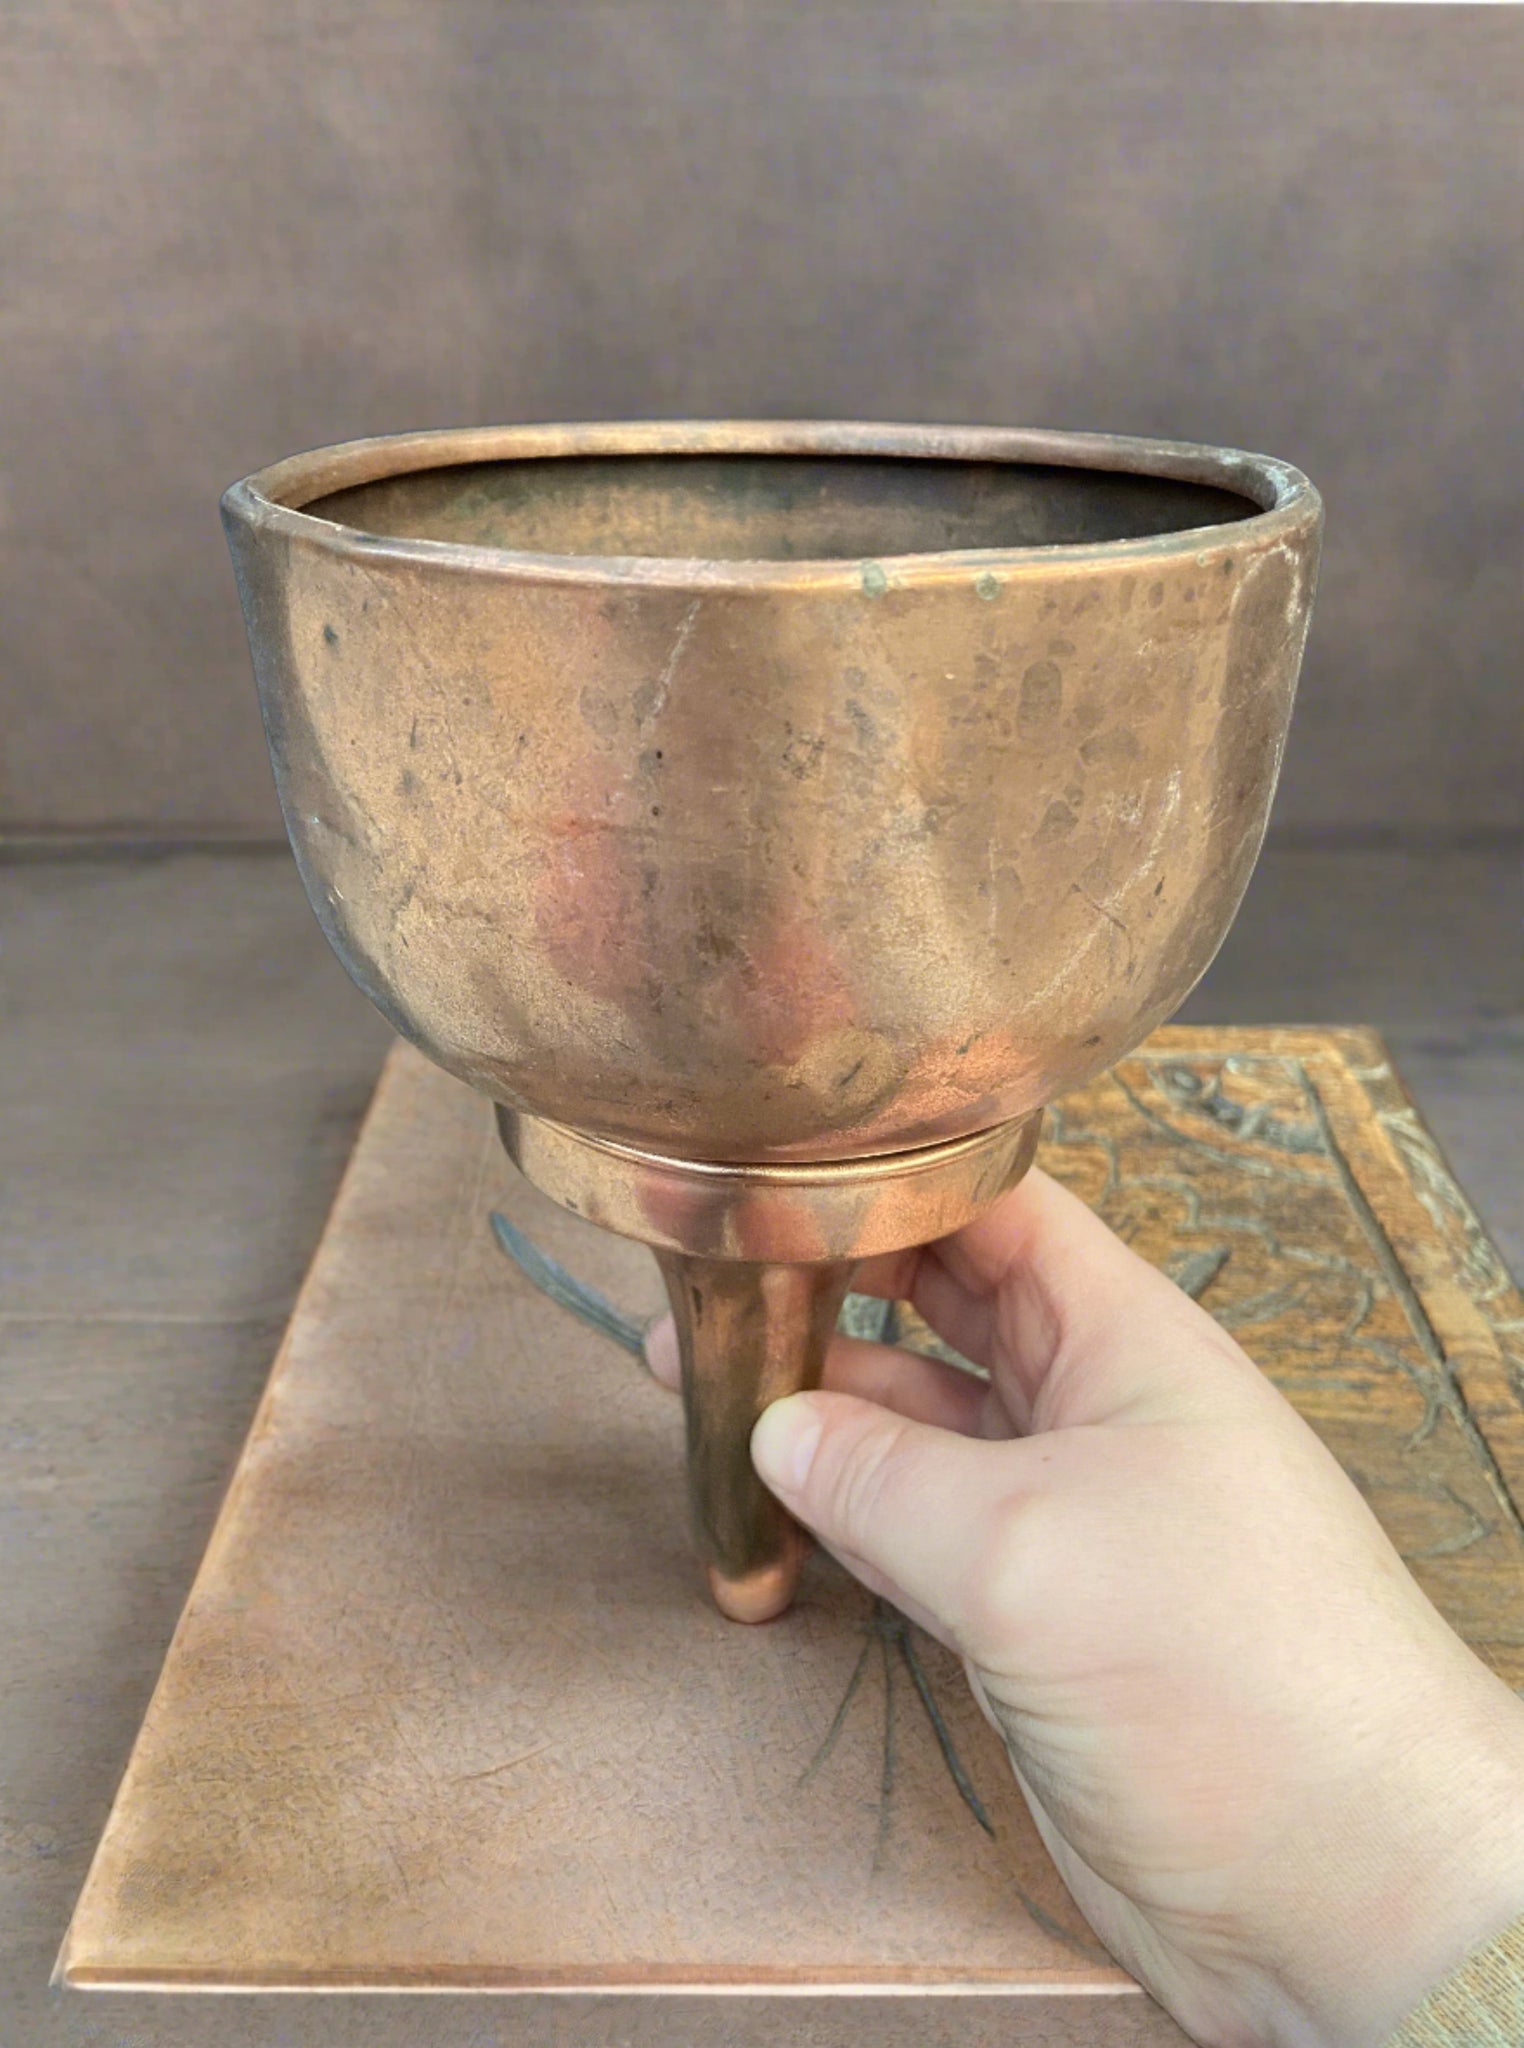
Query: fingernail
[(661, 1352), (784, 1441)]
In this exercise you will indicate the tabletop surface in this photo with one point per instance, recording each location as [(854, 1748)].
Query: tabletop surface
[(447, 1706)]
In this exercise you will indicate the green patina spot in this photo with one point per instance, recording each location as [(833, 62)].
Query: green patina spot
[(875, 582), (987, 587)]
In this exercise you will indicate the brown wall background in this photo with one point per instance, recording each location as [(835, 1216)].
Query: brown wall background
[(232, 232)]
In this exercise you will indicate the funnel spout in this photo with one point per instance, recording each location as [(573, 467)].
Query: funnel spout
[(748, 1334)]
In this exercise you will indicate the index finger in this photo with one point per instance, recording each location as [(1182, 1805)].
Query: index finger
[(1036, 1279)]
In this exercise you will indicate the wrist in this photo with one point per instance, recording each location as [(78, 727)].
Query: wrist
[(1430, 1852)]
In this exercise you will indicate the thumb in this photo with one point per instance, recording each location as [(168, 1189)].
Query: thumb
[(922, 1515)]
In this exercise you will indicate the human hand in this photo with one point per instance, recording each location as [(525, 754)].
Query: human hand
[(1284, 1793)]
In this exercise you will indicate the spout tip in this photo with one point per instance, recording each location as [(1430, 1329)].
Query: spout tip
[(760, 1595)]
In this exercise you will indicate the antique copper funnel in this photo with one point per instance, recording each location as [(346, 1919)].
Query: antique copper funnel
[(772, 818)]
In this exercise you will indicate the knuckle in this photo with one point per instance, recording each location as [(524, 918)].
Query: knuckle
[(1001, 1583), (860, 1479)]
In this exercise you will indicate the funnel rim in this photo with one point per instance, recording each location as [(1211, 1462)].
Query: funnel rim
[(274, 498)]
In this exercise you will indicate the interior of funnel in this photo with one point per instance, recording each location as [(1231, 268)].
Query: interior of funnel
[(774, 507)]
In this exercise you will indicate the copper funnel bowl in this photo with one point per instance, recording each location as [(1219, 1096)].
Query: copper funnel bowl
[(771, 818)]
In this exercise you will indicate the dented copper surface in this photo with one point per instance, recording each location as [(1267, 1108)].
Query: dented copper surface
[(734, 802)]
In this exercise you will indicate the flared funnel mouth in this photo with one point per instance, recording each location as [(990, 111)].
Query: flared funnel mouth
[(768, 503)]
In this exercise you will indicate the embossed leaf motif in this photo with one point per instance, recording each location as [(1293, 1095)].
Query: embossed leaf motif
[(862, 1316)]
